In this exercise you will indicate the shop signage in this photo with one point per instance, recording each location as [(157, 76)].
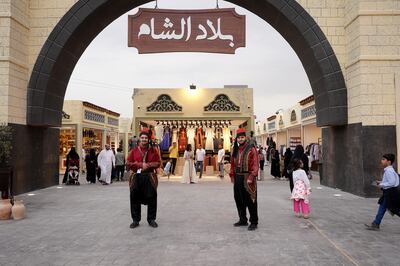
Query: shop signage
[(92, 116), (112, 121), (308, 112), (271, 126), (167, 30)]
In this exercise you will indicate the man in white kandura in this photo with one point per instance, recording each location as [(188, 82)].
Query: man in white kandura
[(106, 162)]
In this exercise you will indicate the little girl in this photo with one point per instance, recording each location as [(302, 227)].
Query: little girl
[(301, 190)]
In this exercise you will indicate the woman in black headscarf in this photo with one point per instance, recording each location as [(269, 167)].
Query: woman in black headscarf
[(71, 176), (91, 165), (299, 155), (275, 168), (287, 158)]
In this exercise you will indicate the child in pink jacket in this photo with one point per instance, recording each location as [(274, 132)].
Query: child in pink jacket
[(301, 191)]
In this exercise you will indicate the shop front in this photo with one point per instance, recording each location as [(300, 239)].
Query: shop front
[(86, 126), (200, 117)]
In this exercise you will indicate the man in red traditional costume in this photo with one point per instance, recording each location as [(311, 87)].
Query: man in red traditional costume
[(143, 161), (244, 171)]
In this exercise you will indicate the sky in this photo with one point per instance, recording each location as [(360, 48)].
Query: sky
[(108, 70)]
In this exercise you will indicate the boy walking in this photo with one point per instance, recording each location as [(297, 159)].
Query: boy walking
[(391, 195)]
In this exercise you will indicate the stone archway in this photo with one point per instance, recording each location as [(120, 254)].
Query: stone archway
[(87, 18)]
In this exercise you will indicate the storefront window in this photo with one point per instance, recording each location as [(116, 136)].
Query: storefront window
[(67, 141), (92, 139)]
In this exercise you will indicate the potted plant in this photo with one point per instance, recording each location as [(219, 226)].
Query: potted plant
[(5, 157)]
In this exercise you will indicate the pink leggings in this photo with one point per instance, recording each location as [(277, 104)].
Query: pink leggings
[(305, 207)]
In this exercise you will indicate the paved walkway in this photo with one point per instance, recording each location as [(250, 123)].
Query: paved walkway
[(89, 225)]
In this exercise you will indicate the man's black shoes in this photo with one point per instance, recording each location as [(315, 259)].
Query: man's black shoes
[(240, 223), (252, 227), (134, 225), (153, 224)]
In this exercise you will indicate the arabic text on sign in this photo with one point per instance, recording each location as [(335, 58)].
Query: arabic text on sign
[(185, 29)]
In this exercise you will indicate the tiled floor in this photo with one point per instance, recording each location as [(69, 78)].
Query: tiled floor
[(89, 225)]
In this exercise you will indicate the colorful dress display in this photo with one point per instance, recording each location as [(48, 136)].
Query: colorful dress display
[(190, 137), (209, 139), (164, 146)]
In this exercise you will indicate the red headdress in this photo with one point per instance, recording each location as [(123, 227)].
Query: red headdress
[(241, 132), (145, 131)]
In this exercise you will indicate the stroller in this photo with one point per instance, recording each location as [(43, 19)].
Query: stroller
[(73, 173)]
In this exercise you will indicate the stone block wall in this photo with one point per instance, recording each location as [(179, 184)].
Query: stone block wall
[(373, 57)]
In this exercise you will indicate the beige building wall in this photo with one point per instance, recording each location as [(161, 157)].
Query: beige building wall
[(311, 134), (363, 33), (125, 132)]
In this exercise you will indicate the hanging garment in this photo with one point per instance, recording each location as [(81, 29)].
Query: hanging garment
[(182, 139), (316, 152), (209, 139), (227, 139), (159, 130), (164, 146), (175, 135), (218, 139), (190, 137), (199, 137)]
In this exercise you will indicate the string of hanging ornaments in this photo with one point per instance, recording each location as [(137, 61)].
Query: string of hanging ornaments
[(195, 123)]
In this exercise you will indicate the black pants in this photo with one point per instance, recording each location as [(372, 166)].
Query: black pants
[(136, 210), (173, 165), (143, 193), (262, 165), (243, 200), (120, 169)]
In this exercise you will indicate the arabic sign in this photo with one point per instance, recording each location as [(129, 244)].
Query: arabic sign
[(209, 30)]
